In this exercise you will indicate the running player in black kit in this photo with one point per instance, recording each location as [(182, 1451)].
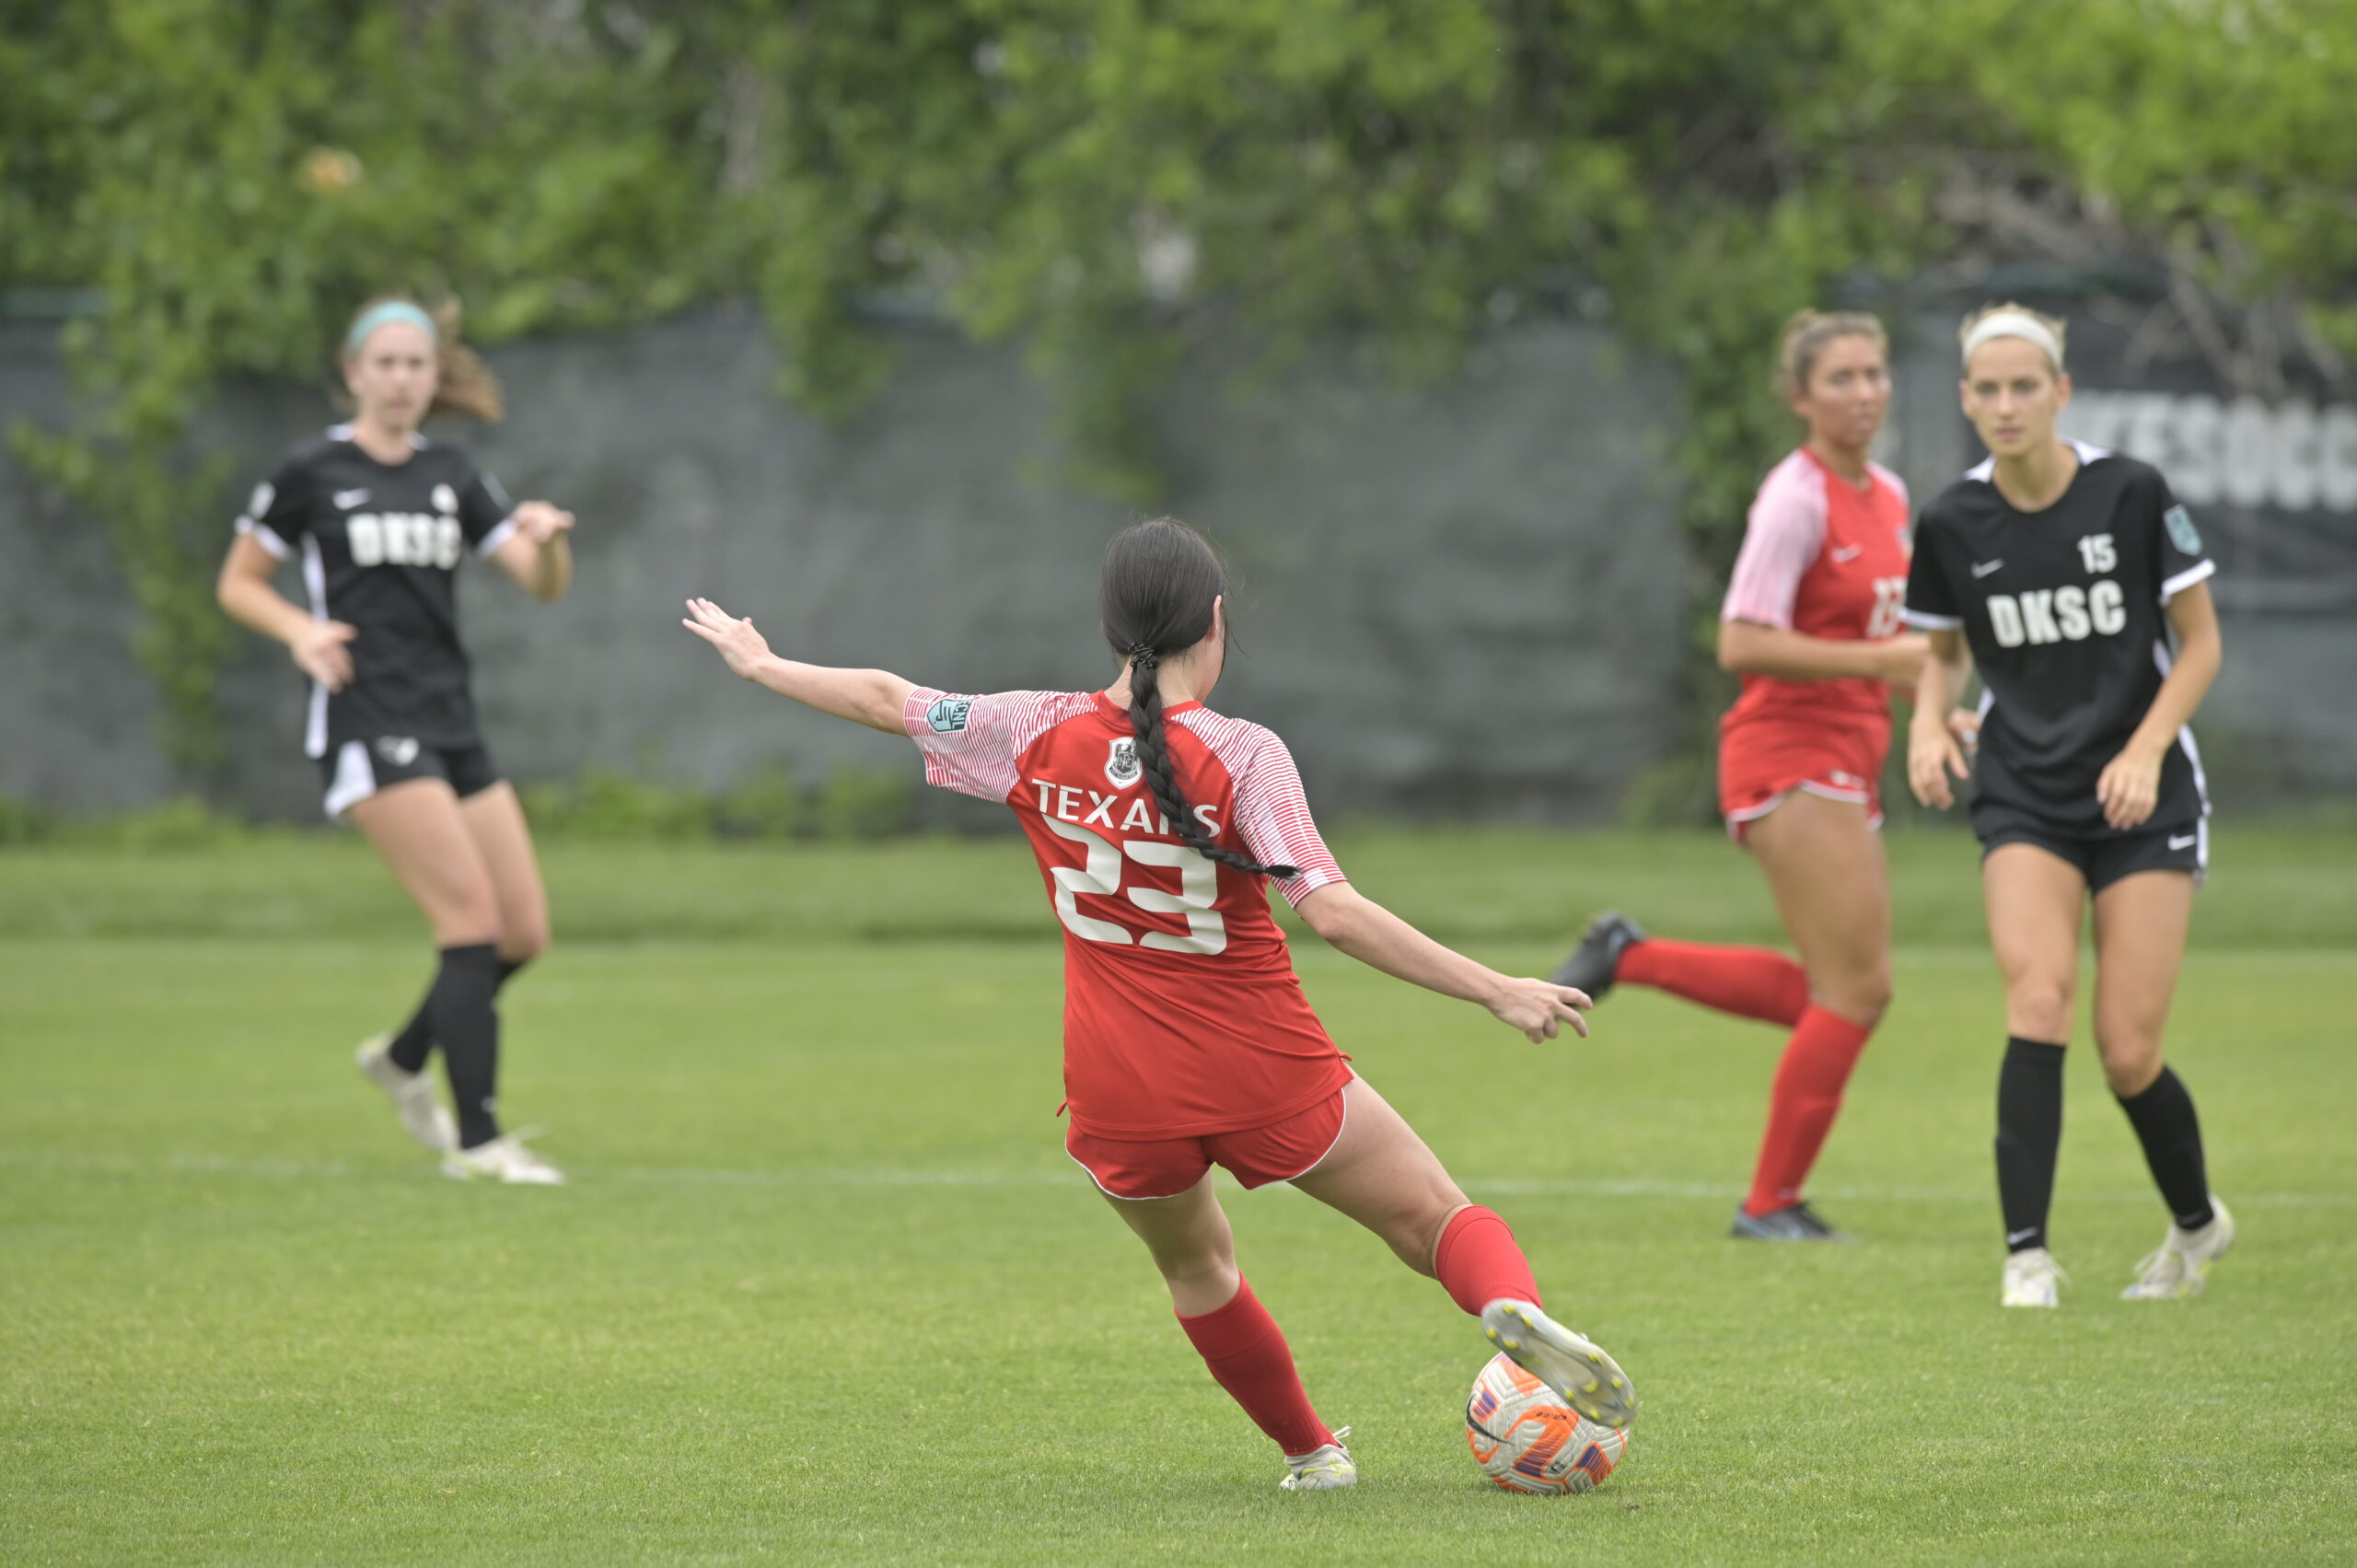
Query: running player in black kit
[(2066, 569), (379, 518)]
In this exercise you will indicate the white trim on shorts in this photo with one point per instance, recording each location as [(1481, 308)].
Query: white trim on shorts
[(1737, 819), (354, 781)]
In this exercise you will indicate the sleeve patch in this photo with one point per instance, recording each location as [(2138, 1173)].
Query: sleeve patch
[(2182, 533), (948, 715)]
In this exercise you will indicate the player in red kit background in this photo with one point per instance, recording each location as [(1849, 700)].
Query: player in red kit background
[(1188, 1042), (1812, 623)]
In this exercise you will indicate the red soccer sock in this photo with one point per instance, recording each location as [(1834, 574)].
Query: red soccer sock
[(1751, 982), (1248, 1355), (1478, 1262), (1801, 1107)]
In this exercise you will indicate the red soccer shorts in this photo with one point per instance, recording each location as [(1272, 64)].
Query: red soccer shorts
[(1164, 1167), (1762, 761)]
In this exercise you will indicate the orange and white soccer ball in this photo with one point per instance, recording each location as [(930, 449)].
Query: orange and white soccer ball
[(1525, 1439)]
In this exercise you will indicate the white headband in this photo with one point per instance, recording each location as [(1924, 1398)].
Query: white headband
[(2012, 325)]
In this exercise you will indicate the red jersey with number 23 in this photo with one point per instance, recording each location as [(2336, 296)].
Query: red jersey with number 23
[(1183, 1017), (1823, 557)]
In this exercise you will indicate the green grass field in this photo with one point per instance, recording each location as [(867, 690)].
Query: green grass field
[(826, 1289)]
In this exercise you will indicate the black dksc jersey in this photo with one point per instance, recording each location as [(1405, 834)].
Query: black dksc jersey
[(380, 545), (2063, 611)]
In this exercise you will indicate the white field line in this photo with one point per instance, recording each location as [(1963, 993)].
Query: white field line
[(1511, 1187)]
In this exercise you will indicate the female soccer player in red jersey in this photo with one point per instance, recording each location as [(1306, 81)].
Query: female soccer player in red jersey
[(1812, 623), (1188, 1042), (380, 518)]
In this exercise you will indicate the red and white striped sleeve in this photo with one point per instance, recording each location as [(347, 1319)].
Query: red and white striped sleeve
[(972, 744), (1781, 540), (1271, 811)]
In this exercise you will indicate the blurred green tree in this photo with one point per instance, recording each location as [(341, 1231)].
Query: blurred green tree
[(1108, 179)]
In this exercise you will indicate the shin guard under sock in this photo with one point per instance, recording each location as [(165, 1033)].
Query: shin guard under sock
[(1247, 1357), (1801, 1107), (1478, 1262), (2171, 1133), (414, 1042), (2029, 1135), (467, 1025), (1751, 982)]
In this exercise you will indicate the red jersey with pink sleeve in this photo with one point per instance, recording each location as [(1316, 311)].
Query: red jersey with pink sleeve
[(1822, 557), (1183, 1017)]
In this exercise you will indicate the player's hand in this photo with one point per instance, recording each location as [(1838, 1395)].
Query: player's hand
[(1964, 725), (541, 521), (1900, 659), (1934, 752), (741, 648), (1539, 1009), (2130, 787), (319, 651)]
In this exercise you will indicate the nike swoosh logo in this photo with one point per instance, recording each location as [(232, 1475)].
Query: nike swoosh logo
[(1849, 553), (2013, 1235), (350, 497), (2185, 843), (1982, 568)]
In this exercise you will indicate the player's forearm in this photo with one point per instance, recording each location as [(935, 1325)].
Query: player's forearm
[(552, 574), (2180, 695), (1943, 680), (1367, 931), (875, 698), (252, 602), (1749, 648)]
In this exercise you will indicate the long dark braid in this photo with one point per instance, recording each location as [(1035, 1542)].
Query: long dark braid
[(1161, 581)]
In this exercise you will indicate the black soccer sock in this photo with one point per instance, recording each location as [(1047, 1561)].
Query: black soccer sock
[(2029, 1135), (467, 1025), (2171, 1133), (415, 1044)]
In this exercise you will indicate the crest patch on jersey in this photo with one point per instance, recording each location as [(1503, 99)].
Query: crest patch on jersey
[(2182, 533), (445, 498), (1122, 766), (401, 751), (948, 715)]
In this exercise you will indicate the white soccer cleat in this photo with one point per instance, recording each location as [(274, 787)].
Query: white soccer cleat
[(2181, 1267), (2033, 1279), (1566, 1360), (412, 1095), (503, 1159), (1325, 1469)]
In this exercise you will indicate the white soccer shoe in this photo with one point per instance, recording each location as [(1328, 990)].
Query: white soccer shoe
[(503, 1159), (1566, 1360), (1325, 1469), (2181, 1268), (412, 1095), (2033, 1279)]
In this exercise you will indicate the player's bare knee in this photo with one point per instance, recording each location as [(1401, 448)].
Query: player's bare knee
[(1860, 996), (2039, 1009), (2129, 1064), (522, 941)]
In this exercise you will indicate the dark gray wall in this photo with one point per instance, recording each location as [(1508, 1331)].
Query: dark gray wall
[(1465, 598)]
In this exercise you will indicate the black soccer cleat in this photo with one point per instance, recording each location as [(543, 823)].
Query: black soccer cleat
[(1595, 964), (1799, 1223)]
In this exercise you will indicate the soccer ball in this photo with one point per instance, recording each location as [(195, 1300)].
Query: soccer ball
[(1525, 1439)]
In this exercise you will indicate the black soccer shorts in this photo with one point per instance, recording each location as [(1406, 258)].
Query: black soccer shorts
[(2102, 857), (358, 769)]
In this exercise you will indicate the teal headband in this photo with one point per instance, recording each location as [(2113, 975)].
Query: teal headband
[(385, 315)]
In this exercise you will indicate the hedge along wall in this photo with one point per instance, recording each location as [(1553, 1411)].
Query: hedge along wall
[(1465, 599)]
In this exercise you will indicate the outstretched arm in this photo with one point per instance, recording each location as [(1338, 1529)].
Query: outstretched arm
[(1373, 935), (875, 698)]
